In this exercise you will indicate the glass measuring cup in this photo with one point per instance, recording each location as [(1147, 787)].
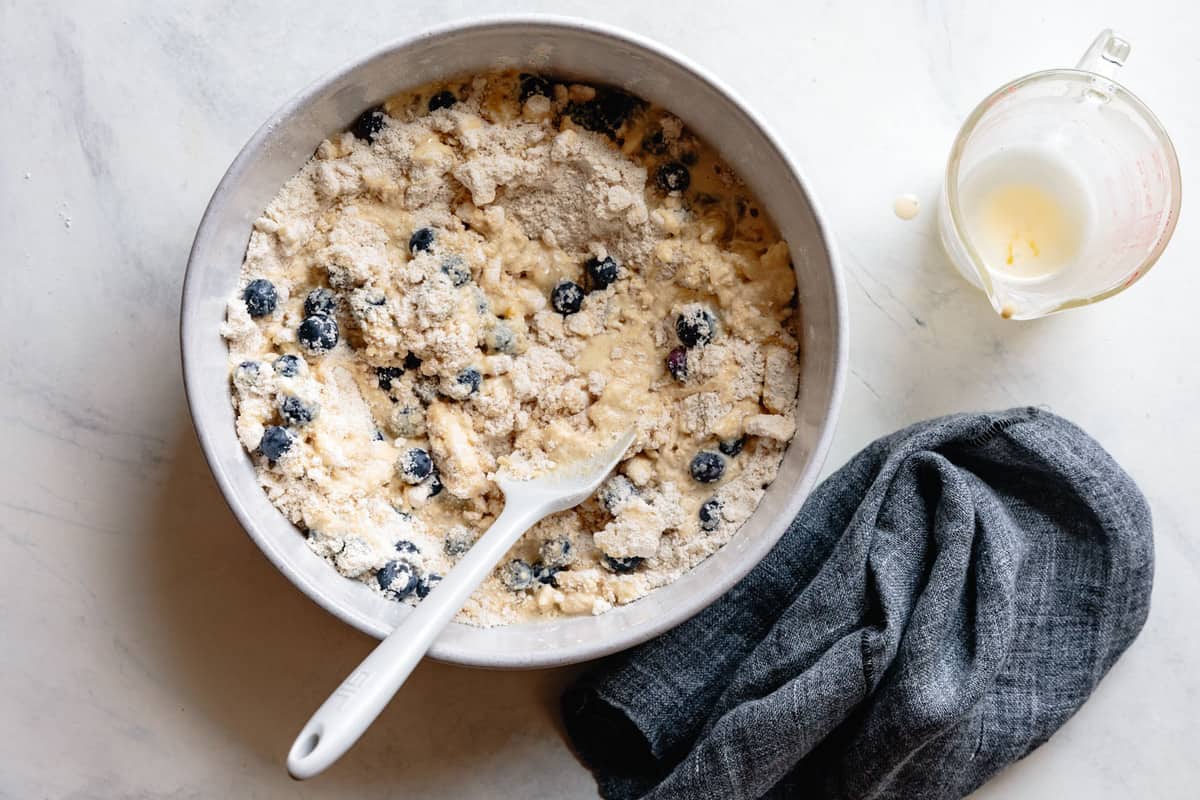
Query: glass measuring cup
[(1079, 160)]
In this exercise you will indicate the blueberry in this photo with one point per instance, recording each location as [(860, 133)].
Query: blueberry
[(673, 177), (288, 365), (318, 334), (405, 546), (458, 541), (428, 581), (421, 241), (320, 302), (615, 493), (385, 375), (378, 436), (482, 305), (367, 306), (296, 411), (517, 575), (425, 387), (654, 142), (276, 440), (369, 123), (695, 326), (567, 297), (707, 467), (443, 99), (260, 297), (604, 113), (412, 362), (731, 447), (601, 271), (434, 483), (535, 84), (469, 379), (247, 371), (621, 565), (414, 466), (247, 376), (543, 573), (398, 578), (710, 514), (556, 553), (408, 421), (457, 271), (677, 364), (501, 339)]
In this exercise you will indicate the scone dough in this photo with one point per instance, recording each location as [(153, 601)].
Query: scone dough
[(502, 273)]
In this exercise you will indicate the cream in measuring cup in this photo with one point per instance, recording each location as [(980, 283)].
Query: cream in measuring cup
[(1062, 188)]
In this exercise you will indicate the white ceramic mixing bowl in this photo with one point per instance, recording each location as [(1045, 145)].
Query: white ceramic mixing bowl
[(579, 49)]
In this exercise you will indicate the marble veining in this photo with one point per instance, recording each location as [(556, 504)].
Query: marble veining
[(151, 651)]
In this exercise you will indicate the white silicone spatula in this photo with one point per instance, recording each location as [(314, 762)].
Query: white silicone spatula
[(357, 702)]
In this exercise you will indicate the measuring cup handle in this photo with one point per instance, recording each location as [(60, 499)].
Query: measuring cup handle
[(1106, 55)]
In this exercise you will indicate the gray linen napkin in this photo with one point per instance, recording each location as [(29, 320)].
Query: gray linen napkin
[(940, 606)]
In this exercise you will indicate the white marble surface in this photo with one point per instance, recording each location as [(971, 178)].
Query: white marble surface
[(149, 650)]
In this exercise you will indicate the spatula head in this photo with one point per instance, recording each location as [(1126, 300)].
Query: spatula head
[(567, 485)]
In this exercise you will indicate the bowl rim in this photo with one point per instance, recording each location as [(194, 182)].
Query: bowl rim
[(441, 651)]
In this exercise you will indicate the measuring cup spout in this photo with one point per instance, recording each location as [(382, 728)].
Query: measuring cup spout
[(1107, 54)]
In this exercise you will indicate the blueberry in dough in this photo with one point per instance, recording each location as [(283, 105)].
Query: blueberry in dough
[(543, 573), (458, 272), (296, 411), (615, 492), (398, 579), (556, 552), (621, 565), (710, 514), (426, 584), (248, 371), (260, 297), (320, 302), (443, 99), (707, 467), (405, 546), (695, 327), (517, 575), (276, 440), (677, 364), (434, 483), (731, 447), (412, 362), (604, 113), (408, 420), (567, 297), (501, 339), (318, 334), (601, 271), (384, 376), (425, 387), (287, 365), (654, 142), (421, 241), (673, 177), (534, 84), (369, 123), (469, 379), (458, 541), (414, 466)]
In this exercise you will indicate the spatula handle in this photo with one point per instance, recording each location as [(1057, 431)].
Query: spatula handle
[(341, 719)]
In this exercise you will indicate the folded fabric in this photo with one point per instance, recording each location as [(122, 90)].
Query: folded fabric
[(941, 605)]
